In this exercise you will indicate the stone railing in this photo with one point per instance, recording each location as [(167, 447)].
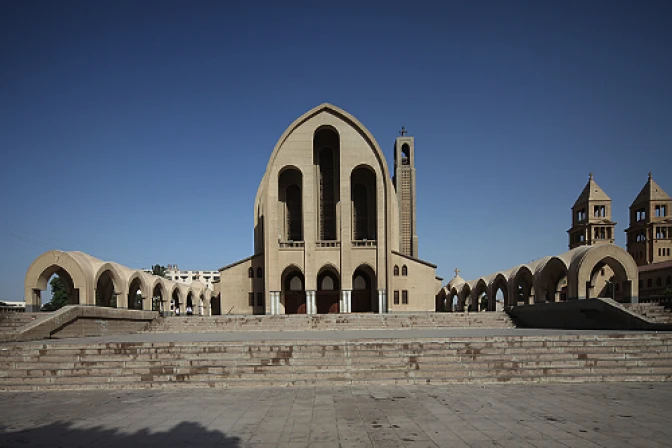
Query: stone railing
[(328, 244), (79, 321), (291, 244), (363, 243)]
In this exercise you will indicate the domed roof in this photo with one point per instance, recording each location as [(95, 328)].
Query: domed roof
[(455, 281)]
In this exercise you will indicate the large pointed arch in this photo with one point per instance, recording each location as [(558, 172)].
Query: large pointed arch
[(53, 262)]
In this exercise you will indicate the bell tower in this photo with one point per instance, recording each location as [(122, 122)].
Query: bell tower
[(404, 184), (649, 237), (591, 217)]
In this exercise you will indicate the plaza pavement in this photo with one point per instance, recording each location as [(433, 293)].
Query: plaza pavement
[(610, 415)]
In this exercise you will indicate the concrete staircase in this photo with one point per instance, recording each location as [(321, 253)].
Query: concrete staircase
[(9, 322), (298, 322), (496, 359), (653, 311)]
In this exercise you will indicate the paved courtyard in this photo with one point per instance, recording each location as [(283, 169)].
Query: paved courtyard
[(580, 415)]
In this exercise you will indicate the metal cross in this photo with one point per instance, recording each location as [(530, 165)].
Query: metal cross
[(457, 272), (403, 131)]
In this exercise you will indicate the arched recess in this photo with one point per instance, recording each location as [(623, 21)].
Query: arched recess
[(109, 287), (290, 204), (190, 303), (584, 265), (75, 277), (135, 293), (201, 305), (405, 154), (479, 296), (216, 305), (364, 295), (326, 158), (498, 287), (364, 206), (328, 290), (521, 284), (441, 304), (293, 294), (551, 281)]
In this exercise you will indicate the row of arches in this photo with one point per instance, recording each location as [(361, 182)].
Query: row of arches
[(326, 160), (90, 281), (603, 270), (329, 297)]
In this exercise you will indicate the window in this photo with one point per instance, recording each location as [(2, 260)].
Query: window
[(250, 273), (581, 215), (396, 270), (640, 214), (659, 281), (396, 297), (404, 297), (599, 211), (404, 270), (260, 299), (661, 210), (260, 273), (250, 299)]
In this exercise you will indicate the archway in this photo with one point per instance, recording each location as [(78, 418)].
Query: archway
[(499, 293), (326, 155), (522, 285), (465, 302), (107, 290), (553, 281), (293, 291), (176, 301), (363, 290), (134, 300), (201, 305), (328, 291), (157, 298), (480, 296), (290, 195), (617, 264), (454, 300), (56, 279), (190, 304)]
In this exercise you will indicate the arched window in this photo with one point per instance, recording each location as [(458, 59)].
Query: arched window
[(360, 211), (250, 273), (363, 198), (405, 154), (396, 270), (293, 200), (290, 223), (326, 157), (404, 270), (260, 273)]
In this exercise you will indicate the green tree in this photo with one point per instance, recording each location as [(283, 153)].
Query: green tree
[(59, 296), (159, 270)]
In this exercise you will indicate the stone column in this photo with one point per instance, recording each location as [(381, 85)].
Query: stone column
[(382, 302), (347, 301), (275, 301), (311, 305)]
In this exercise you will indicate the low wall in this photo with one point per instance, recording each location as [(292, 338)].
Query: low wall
[(79, 321), (588, 314)]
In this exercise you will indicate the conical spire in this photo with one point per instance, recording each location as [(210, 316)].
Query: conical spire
[(591, 192), (651, 192)]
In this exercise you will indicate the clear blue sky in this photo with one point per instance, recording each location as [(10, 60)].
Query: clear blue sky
[(138, 132)]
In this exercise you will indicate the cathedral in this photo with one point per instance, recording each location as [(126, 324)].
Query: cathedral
[(334, 231)]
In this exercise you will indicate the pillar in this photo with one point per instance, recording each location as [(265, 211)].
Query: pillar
[(346, 299), (382, 301), (274, 300), (311, 305)]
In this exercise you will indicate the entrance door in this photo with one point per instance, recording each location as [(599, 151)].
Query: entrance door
[(295, 302), (361, 301), (327, 302)]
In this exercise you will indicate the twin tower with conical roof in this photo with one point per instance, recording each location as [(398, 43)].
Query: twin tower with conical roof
[(649, 236)]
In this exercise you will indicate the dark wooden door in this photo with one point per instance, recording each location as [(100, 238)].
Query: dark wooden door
[(327, 302), (295, 302)]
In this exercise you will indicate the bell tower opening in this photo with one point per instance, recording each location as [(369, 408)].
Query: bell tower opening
[(404, 184)]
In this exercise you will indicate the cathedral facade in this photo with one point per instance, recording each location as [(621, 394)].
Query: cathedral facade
[(334, 231)]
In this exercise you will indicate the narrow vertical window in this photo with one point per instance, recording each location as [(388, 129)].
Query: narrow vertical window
[(396, 297), (250, 273), (250, 299), (404, 270), (396, 270), (404, 297), (260, 273)]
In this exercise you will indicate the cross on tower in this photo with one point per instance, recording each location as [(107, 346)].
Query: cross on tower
[(457, 272), (403, 131)]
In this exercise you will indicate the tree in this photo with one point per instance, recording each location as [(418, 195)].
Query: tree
[(59, 295), (159, 270)]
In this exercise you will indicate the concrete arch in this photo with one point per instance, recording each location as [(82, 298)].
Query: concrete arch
[(143, 287), (479, 288), (49, 263), (548, 277), (497, 282), (521, 285), (620, 261), (464, 297)]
